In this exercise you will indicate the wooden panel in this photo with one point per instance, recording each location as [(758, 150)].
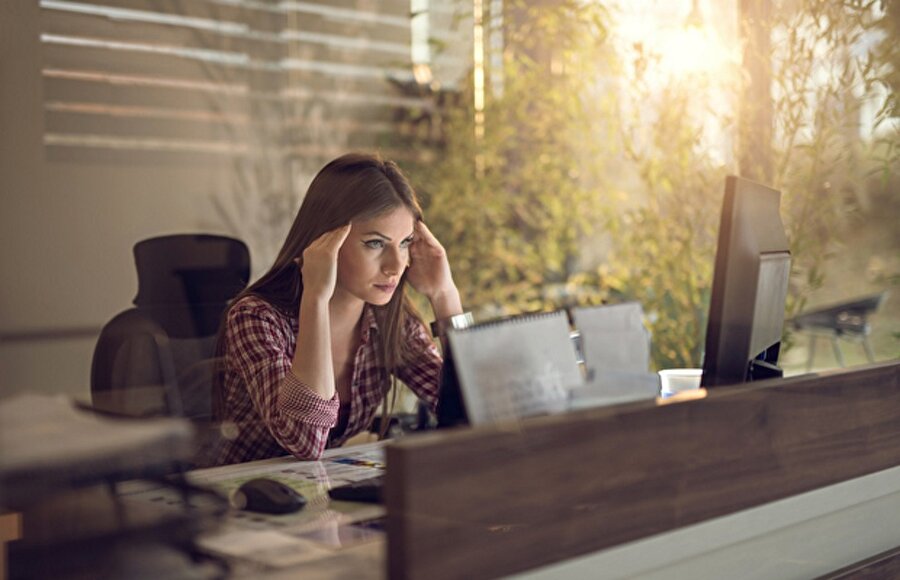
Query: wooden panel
[(349, 55), (348, 28), (884, 566), (149, 91), (398, 7), (367, 91), (10, 530), (101, 28), (88, 62), (257, 18), (213, 157), (337, 47), (154, 93), (104, 60), (486, 502), (320, 112), (214, 9), (273, 18), (185, 128)]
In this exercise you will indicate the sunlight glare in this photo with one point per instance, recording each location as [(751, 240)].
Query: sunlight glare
[(688, 51), (678, 49)]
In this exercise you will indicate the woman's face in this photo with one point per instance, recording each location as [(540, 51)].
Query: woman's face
[(374, 256)]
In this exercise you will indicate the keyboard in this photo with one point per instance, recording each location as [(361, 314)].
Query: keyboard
[(369, 490)]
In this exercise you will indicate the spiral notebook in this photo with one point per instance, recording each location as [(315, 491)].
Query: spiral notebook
[(515, 368)]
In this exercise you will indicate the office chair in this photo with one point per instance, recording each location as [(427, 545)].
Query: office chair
[(158, 358), (848, 320)]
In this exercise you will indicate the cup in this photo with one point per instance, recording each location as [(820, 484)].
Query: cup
[(674, 381)]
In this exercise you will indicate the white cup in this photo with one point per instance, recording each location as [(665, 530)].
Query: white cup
[(673, 381)]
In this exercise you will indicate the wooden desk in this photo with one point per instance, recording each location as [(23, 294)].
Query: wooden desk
[(10, 529), (324, 537), (790, 478), (146, 526), (487, 502)]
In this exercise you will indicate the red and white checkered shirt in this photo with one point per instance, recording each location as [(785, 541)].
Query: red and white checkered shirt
[(275, 413)]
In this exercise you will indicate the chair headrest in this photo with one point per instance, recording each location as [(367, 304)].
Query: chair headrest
[(190, 269)]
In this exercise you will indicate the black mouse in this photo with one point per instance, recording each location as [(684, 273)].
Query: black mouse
[(267, 496)]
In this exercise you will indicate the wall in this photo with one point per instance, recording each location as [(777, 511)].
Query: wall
[(74, 205), (69, 228)]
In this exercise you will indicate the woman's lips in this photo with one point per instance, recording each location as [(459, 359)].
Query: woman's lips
[(386, 287)]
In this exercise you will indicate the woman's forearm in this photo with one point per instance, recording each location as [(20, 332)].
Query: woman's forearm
[(446, 304), (312, 362)]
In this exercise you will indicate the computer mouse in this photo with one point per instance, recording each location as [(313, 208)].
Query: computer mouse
[(267, 496)]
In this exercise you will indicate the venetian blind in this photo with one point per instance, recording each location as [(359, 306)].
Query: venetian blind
[(210, 81)]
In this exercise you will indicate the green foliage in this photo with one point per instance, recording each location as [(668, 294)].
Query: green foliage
[(564, 167), (664, 247), (831, 59), (514, 207), (819, 158)]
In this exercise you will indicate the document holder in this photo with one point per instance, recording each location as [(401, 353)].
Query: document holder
[(614, 337), (616, 347), (515, 367)]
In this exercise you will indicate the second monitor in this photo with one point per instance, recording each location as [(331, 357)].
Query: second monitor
[(750, 283)]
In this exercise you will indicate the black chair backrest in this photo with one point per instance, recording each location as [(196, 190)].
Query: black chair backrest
[(184, 280), (158, 357)]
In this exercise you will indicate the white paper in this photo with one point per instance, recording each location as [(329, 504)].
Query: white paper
[(611, 388), (613, 338), (264, 547), (616, 347), (515, 368)]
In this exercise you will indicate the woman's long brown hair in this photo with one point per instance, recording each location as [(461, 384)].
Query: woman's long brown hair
[(357, 187)]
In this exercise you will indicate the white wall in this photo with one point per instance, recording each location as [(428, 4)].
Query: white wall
[(68, 228), (72, 209)]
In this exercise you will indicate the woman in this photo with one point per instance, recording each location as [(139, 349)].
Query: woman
[(312, 348)]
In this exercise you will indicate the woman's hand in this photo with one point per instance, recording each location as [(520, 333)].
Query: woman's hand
[(318, 266), (429, 273)]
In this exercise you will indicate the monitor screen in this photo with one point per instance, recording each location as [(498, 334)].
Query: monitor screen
[(750, 283)]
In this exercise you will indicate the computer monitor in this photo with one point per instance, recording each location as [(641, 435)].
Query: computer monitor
[(750, 282)]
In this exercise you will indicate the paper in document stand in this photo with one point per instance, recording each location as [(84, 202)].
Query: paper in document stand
[(616, 347), (516, 367), (614, 337)]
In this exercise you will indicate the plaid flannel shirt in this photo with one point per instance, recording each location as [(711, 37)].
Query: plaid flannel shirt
[(275, 413)]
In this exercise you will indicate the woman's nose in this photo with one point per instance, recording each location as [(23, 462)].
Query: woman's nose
[(393, 262)]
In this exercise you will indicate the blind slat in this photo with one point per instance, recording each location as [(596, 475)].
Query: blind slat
[(143, 92), (347, 45), (209, 79), (148, 123)]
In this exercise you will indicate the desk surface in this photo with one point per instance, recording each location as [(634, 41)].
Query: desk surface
[(324, 537), (732, 459), (515, 497)]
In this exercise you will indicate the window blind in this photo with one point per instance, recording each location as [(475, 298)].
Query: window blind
[(209, 81)]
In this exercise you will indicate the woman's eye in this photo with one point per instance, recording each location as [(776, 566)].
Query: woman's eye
[(405, 243), (375, 244)]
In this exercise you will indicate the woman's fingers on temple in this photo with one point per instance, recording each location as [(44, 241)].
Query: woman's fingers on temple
[(423, 229), (339, 235), (425, 233), (332, 237), (431, 243)]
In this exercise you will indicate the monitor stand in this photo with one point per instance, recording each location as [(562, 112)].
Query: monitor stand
[(760, 370)]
